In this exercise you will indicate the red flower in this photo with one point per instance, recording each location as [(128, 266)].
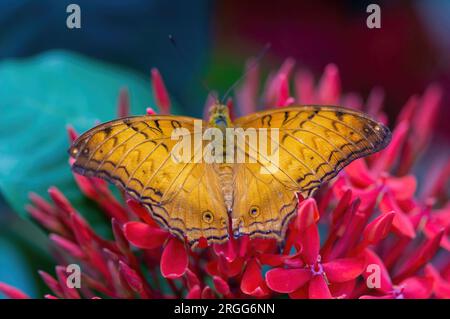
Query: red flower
[(372, 216), (411, 288), (309, 275)]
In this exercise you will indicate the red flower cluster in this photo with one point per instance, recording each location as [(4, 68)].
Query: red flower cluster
[(369, 234)]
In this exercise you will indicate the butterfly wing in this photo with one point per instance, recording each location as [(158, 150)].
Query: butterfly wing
[(262, 205), (314, 144), (135, 154)]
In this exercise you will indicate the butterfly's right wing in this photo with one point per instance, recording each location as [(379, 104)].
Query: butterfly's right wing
[(314, 143), (135, 153)]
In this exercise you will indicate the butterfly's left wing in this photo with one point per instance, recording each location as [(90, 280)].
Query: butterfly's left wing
[(314, 144), (135, 153)]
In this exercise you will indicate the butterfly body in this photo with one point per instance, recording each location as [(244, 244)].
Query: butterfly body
[(198, 199), (219, 117)]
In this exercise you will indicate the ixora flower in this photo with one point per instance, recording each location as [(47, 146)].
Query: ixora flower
[(369, 234)]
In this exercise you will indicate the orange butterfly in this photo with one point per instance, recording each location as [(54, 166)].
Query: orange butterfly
[(195, 200)]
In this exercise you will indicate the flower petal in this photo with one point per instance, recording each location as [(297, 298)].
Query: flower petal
[(61, 201), (307, 214), (276, 260), (318, 288), (52, 283), (208, 293), (441, 287), (174, 259), (401, 222), (427, 114), (273, 260), (191, 279), (343, 290), (341, 207), (287, 280), (212, 268), (12, 292), (379, 228), (284, 98), (391, 153), (304, 87), (160, 92), (141, 212), (247, 93), (221, 285), (377, 297), (375, 101), (67, 245), (417, 287), (344, 269), (73, 135), (359, 174), (273, 83), (300, 293), (194, 293), (68, 292), (123, 105), (144, 236), (131, 276), (372, 259), (402, 187), (150, 111), (119, 237), (329, 89), (227, 250), (310, 242), (423, 254), (252, 282), (231, 269)]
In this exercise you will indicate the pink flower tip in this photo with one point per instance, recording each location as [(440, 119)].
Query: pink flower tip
[(123, 105), (150, 111), (284, 98), (221, 285), (73, 135), (160, 92), (330, 85), (12, 292), (131, 276)]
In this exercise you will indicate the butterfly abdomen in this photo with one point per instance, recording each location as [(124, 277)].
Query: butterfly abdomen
[(219, 117), (225, 172)]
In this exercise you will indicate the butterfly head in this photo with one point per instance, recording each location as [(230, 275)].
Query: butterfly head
[(219, 116)]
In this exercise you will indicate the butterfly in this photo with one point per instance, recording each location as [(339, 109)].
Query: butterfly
[(197, 200)]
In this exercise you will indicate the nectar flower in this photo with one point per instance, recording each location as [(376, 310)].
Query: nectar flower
[(370, 215)]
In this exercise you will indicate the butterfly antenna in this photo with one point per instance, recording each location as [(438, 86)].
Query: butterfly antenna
[(256, 61), (183, 58)]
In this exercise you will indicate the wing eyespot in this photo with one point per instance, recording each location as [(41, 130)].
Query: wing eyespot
[(254, 211), (207, 217)]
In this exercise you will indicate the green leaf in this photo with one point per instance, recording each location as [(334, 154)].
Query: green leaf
[(39, 97)]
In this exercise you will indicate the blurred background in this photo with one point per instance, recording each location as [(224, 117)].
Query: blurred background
[(51, 76)]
